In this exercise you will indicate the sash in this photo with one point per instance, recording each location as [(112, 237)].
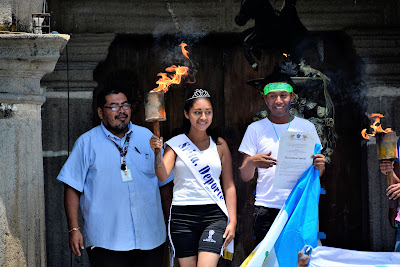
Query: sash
[(193, 159)]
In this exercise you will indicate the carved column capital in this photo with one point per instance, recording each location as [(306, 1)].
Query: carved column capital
[(24, 60)]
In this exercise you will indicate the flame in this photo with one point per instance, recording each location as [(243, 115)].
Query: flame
[(376, 126), (165, 81), (184, 51), (285, 55), (176, 74)]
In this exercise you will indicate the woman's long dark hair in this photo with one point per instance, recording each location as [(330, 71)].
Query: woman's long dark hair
[(186, 123)]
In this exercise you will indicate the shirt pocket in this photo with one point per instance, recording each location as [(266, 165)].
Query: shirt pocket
[(143, 161)]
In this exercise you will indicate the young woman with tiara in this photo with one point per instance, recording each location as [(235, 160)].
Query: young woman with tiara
[(203, 213)]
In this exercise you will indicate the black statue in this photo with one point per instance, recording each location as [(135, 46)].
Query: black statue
[(280, 29)]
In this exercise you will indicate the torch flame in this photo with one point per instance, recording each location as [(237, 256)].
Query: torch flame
[(184, 51), (376, 126), (285, 55), (177, 72)]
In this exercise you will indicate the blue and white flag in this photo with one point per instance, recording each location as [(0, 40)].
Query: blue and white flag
[(336, 257), (295, 226)]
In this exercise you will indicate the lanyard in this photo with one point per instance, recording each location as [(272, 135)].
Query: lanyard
[(123, 151), (275, 129)]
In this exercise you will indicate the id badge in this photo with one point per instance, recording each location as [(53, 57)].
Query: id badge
[(126, 175)]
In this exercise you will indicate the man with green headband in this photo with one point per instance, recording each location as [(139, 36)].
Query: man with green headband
[(260, 147)]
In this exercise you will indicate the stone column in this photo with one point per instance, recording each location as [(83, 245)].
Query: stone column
[(24, 59)]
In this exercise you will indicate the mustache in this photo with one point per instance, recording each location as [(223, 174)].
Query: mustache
[(121, 115)]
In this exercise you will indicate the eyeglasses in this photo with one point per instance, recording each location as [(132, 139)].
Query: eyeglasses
[(117, 108)]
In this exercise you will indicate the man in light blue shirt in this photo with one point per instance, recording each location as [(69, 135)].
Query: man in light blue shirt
[(110, 176)]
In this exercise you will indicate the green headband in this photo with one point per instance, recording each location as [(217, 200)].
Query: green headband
[(278, 87)]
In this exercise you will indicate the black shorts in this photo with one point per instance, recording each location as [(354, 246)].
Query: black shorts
[(197, 228)]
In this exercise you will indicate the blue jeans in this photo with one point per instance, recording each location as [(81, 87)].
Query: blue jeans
[(397, 246)]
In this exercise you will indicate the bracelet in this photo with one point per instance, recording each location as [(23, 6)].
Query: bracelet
[(74, 229)]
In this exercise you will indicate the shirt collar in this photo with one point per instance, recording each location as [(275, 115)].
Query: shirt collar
[(108, 133)]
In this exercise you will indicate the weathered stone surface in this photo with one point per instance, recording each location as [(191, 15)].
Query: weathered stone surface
[(379, 50), (146, 16), (18, 14), (10, 246), (161, 17), (21, 189), (325, 15), (55, 126), (25, 58), (84, 52), (5, 15)]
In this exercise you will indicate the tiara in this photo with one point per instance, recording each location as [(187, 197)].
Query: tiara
[(199, 93)]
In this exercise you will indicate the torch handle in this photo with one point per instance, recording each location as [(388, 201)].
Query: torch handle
[(389, 178), (156, 128)]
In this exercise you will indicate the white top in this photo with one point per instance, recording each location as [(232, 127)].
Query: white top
[(187, 189), (260, 138)]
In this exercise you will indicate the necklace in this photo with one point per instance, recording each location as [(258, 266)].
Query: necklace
[(275, 129)]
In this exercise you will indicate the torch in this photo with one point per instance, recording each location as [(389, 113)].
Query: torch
[(154, 100), (386, 147), (155, 112), (386, 142)]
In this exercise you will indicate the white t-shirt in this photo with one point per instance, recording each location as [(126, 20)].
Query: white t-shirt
[(187, 189), (261, 138)]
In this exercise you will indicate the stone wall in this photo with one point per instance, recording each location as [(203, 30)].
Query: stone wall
[(161, 17)]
